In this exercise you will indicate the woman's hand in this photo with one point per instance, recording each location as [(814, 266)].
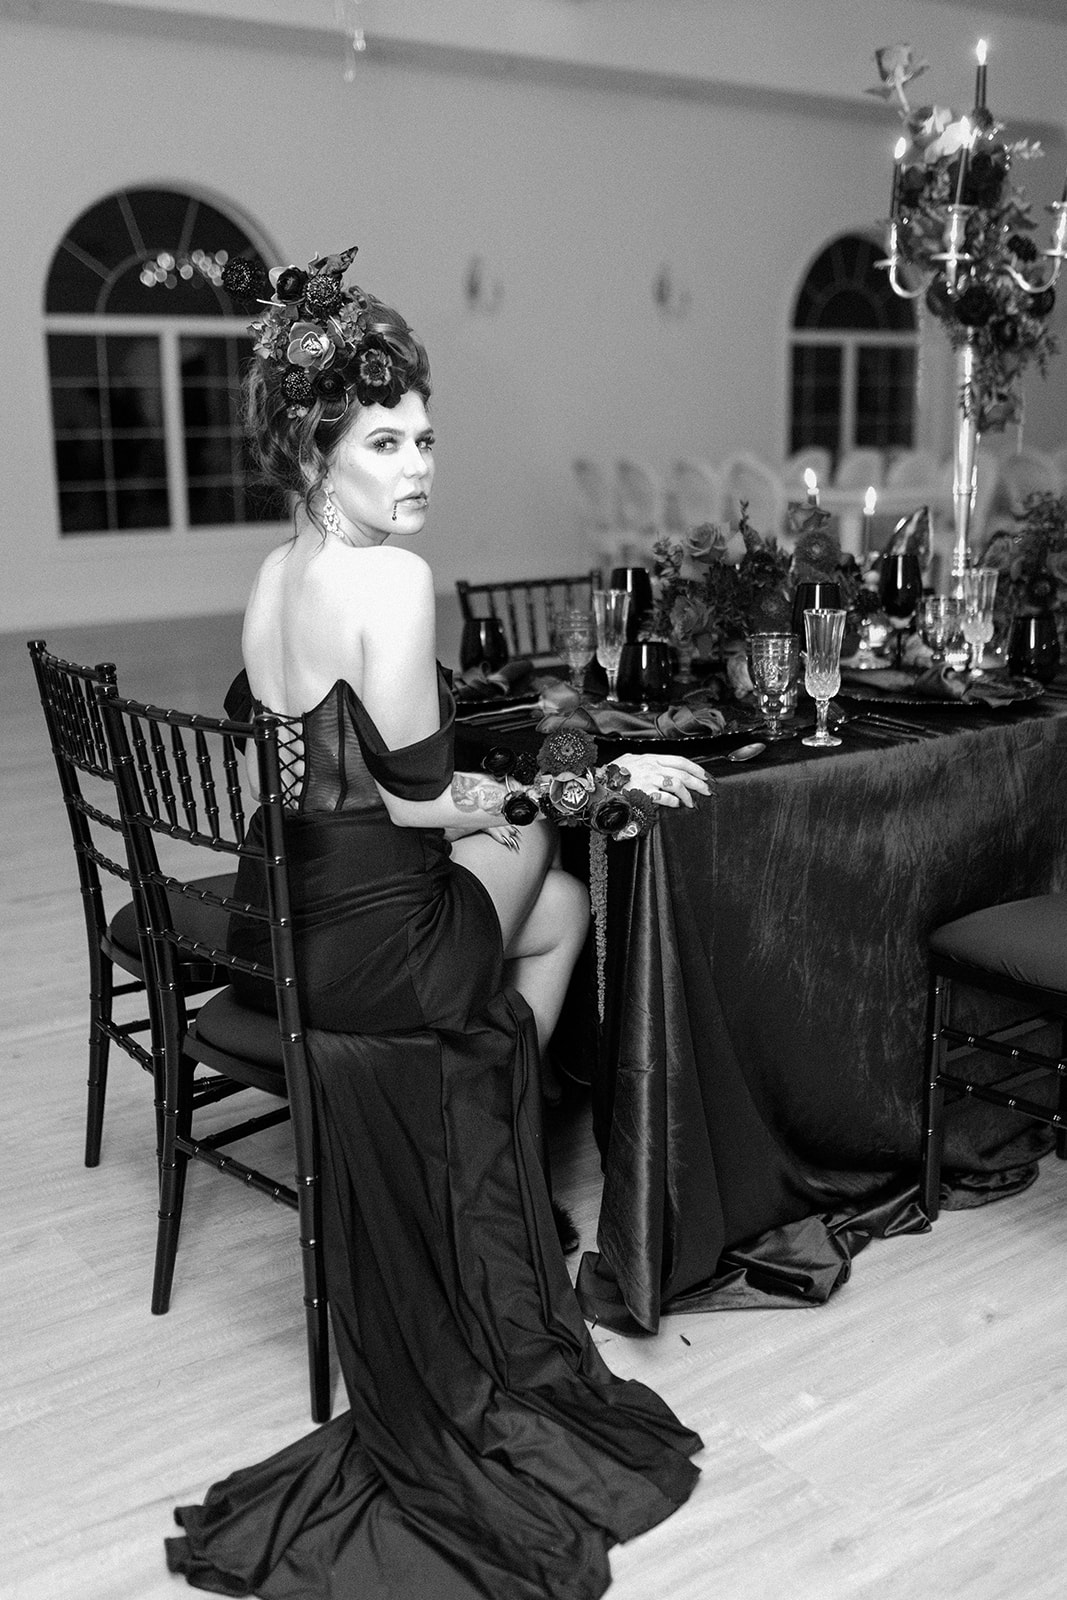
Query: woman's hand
[(668, 780)]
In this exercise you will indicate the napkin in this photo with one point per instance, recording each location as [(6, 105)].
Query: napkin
[(513, 678), (562, 707), (940, 683)]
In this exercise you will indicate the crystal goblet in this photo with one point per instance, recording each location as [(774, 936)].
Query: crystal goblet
[(940, 623), (574, 637), (979, 593), (774, 659)]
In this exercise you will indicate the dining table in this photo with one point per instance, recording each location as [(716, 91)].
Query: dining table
[(760, 995)]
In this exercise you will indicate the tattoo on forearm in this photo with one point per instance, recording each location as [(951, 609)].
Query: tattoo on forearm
[(471, 792)]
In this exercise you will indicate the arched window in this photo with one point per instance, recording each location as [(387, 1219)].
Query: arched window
[(145, 352), (854, 354)]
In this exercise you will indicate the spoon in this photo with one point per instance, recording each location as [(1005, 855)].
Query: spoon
[(745, 752)]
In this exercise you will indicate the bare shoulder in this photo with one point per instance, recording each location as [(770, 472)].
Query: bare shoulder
[(393, 567)]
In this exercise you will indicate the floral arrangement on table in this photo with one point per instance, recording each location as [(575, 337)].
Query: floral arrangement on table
[(564, 783), (952, 159), (1032, 559), (710, 596), (818, 558)]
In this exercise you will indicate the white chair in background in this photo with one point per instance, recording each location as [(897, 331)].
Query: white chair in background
[(912, 469), (813, 457), (598, 522), (1025, 473), (859, 468), (693, 495), (639, 510), (745, 477)]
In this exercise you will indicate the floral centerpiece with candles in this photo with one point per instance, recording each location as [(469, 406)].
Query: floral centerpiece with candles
[(946, 159), (818, 558), (1032, 559), (715, 587)]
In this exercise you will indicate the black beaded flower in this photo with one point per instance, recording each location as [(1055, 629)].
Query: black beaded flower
[(1022, 248), (1041, 304), (322, 295), (525, 768), (244, 280), (297, 386)]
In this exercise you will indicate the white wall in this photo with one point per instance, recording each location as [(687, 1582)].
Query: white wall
[(575, 193)]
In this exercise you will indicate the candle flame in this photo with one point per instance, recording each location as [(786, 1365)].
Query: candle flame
[(980, 52), (870, 500), (810, 480), (899, 149)]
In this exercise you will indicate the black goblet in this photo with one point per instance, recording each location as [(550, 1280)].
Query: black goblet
[(821, 596), (638, 585), (901, 589), (1034, 648), (482, 644), (645, 673)]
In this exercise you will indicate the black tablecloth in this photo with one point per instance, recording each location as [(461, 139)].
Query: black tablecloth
[(758, 1099)]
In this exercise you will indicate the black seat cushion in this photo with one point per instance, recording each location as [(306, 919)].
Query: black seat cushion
[(198, 919), (1023, 940), (244, 1043)]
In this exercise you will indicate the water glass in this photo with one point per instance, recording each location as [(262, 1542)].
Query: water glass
[(901, 588), (574, 637), (979, 594), (1034, 648), (941, 624), (611, 608), (823, 632), (774, 659)]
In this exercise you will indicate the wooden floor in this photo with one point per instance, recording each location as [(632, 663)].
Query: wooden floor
[(908, 1441)]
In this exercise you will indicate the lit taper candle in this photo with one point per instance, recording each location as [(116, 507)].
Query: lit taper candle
[(812, 483), (870, 500), (979, 79), (894, 194)]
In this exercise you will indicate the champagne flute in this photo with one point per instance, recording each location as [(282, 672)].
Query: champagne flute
[(979, 593), (775, 658), (574, 636), (611, 608), (901, 588), (823, 632)]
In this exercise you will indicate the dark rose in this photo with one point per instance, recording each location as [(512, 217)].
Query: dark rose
[(520, 809), (329, 385), (296, 386), (975, 306), (984, 183), (322, 295), (290, 283), (1022, 248), (499, 762), (912, 186), (642, 814), (1042, 303), (610, 815), (244, 280), (566, 750), (939, 301)]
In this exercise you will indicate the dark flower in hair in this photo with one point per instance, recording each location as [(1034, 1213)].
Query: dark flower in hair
[(288, 283), (297, 387), (377, 380), (244, 280), (566, 750), (330, 385), (322, 294)]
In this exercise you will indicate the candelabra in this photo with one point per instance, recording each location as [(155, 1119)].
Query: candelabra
[(974, 275)]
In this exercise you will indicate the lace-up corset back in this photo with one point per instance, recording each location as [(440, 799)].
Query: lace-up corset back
[(332, 755)]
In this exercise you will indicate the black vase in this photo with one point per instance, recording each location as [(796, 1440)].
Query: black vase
[(483, 644), (1034, 647), (645, 673), (638, 585)]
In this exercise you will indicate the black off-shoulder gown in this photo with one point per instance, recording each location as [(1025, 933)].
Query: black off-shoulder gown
[(488, 1451)]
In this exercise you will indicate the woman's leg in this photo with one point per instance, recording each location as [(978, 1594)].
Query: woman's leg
[(543, 913)]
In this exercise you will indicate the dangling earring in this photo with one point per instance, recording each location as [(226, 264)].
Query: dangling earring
[(331, 520)]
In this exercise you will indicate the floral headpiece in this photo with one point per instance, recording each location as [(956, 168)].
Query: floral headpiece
[(317, 331)]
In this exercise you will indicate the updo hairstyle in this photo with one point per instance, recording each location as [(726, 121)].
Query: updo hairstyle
[(292, 453)]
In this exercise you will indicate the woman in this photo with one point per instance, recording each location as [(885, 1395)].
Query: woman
[(488, 1452)]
